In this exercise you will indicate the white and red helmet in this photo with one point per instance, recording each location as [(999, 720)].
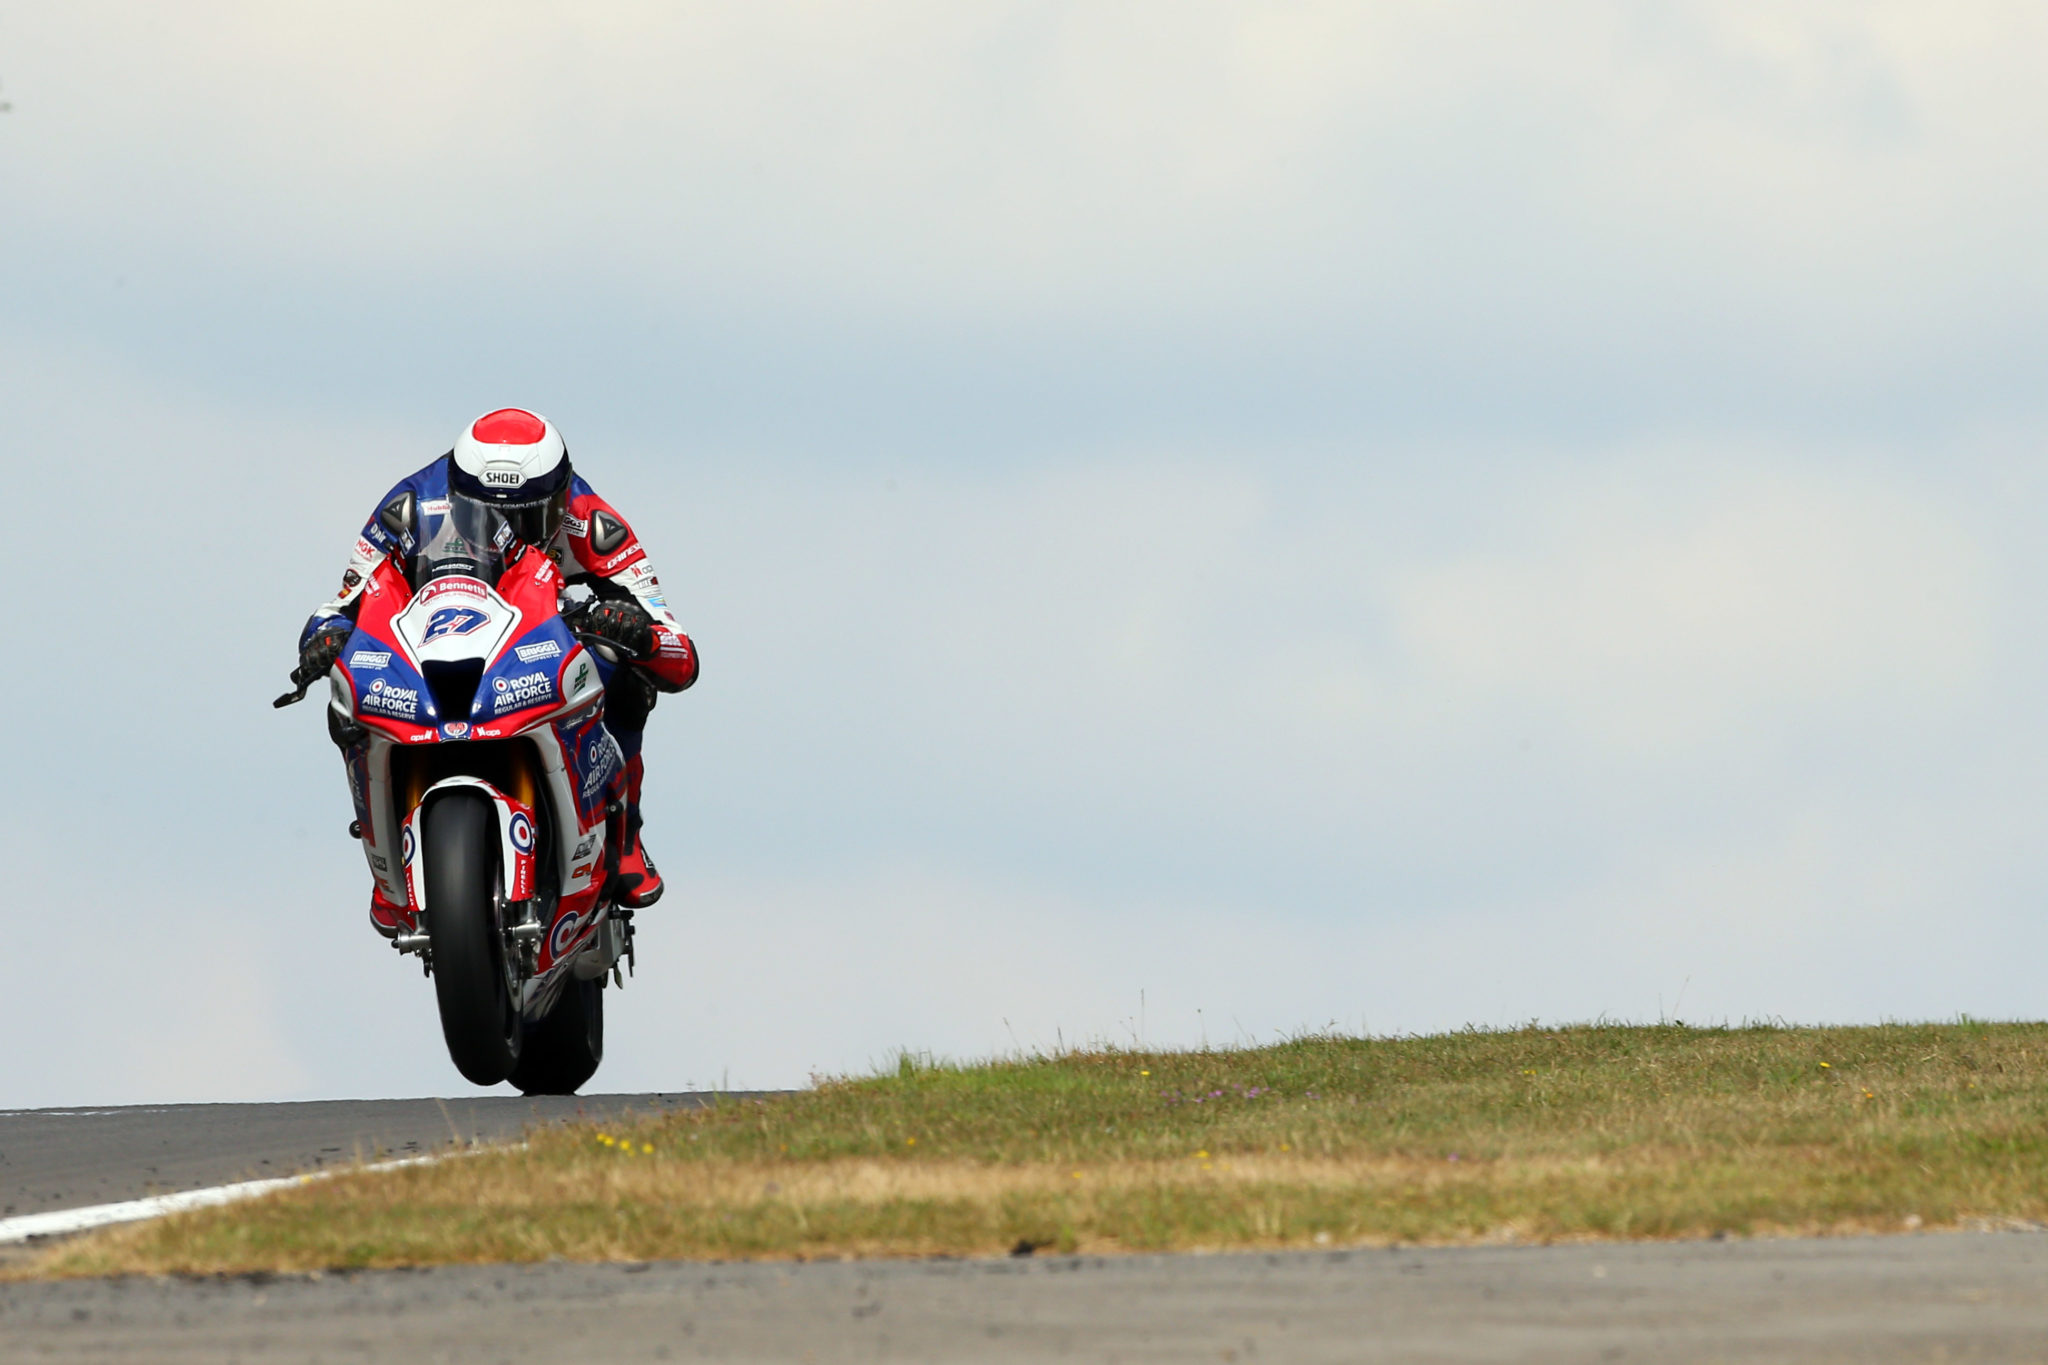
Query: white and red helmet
[(516, 461)]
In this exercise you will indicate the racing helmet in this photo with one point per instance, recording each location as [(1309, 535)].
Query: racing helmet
[(515, 462)]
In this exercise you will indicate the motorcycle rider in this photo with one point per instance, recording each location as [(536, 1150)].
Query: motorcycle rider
[(516, 462)]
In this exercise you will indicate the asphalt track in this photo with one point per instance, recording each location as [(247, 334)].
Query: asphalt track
[(69, 1158), (1951, 1298), (1934, 1297)]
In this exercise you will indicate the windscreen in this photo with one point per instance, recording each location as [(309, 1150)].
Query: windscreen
[(471, 540)]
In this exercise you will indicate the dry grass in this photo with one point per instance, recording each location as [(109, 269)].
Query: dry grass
[(1531, 1135)]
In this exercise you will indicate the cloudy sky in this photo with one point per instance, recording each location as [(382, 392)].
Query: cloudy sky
[(1202, 520)]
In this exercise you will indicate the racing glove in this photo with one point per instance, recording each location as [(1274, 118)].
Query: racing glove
[(624, 623), (318, 654)]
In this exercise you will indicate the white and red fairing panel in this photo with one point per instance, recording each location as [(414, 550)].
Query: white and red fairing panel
[(515, 831)]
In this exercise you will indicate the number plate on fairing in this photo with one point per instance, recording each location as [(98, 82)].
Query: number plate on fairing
[(451, 620)]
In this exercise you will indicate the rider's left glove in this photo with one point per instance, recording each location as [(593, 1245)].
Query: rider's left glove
[(318, 654), (619, 622)]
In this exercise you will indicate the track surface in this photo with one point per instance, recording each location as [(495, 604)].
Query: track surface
[(67, 1158), (1963, 1297)]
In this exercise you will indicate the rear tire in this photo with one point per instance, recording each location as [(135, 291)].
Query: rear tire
[(562, 1051), (479, 1013)]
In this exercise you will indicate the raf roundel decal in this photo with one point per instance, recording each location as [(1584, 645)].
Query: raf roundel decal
[(522, 833), (564, 933), (405, 846)]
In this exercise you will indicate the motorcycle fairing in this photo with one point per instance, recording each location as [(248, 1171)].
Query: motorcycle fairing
[(580, 762), (377, 682)]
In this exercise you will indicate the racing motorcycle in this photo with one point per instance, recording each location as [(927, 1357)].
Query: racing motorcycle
[(489, 797)]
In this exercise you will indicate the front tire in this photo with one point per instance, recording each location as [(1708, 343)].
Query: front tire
[(472, 982), (563, 1050)]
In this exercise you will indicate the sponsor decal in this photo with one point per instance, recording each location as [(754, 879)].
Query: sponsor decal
[(452, 621), (365, 550), (455, 729), (405, 845), (582, 677), (460, 587), (524, 690), (538, 650), (575, 526), (580, 873), (502, 478), (486, 732), (400, 703), (370, 658), (349, 579), (603, 757), (435, 507), (585, 846), (522, 832), (564, 933), (381, 863)]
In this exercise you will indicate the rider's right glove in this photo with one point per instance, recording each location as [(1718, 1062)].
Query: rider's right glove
[(318, 654), (619, 622)]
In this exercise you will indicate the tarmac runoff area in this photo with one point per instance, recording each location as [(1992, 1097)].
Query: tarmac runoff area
[(66, 1159), (1932, 1297)]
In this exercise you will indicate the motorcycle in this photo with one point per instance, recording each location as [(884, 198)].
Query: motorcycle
[(489, 797)]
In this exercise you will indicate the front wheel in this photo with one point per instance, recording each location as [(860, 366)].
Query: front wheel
[(563, 1050), (473, 978)]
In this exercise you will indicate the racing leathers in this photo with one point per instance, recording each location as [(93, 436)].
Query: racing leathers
[(595, 548)]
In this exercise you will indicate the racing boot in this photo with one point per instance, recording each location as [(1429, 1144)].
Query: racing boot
[(634, 862), (387, 918)]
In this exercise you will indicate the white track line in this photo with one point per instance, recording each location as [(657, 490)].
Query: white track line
[(59, 1222)]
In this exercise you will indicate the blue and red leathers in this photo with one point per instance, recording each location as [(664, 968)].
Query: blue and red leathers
[(595, 547)]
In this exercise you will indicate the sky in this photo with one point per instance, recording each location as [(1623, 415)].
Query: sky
[(1202, 521)]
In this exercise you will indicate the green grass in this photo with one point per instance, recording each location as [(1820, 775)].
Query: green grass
[(1536, 1134)]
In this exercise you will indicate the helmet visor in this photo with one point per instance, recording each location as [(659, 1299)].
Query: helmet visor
[(536, 520)]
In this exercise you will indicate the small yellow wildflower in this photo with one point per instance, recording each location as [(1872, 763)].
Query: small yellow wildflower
[(1202, 1155), (910, 1142), (1144, 1073), (647, 1148), (1825, 1067), (1077, 1175)]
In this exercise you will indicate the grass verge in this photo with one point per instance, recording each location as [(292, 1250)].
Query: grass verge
[(1537, 1134)]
